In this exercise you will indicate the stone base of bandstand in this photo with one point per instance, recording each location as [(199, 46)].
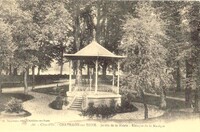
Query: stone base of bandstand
[(99, 98)]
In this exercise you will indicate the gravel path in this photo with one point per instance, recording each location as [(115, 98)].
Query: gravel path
[(39, 109)]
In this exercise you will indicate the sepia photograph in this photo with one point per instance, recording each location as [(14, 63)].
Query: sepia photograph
[(99, 65)]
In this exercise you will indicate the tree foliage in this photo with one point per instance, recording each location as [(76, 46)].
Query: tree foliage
[(142, 42), (145, 64), (6, 45)]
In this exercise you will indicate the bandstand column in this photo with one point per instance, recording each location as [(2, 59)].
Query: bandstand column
[(70, 76), (118, 77), (113, 81), (96, 75)]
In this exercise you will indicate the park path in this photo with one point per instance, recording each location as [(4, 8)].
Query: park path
[(38, 107), (21, 89)]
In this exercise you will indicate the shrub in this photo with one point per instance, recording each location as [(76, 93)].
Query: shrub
[(113, 106), (102, 111), (14, 106), (65, 102), (105, 111), (90, 111), (127, 104), (57, 103)]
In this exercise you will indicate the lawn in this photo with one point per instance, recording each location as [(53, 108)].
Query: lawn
[(53, 90), (180, 94), (172, 103)]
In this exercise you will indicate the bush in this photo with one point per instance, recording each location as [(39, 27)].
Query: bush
[(105, 111), (90, 111), (57, 103), (65, 102), (14, 106), (102, 111), (127, 104)]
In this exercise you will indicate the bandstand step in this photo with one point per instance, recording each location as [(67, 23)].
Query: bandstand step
[(76, 105)]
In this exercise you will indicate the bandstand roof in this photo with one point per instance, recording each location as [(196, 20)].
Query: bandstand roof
[(93, 50)]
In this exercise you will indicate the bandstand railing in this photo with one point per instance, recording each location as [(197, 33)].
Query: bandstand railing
[(87, 86)]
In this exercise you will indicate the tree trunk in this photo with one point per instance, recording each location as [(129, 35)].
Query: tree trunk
[(197, 99), (61, 58), (79, 73), (178, 77), (163, 103), (104, 68), (74, 71), (33, 77), (197, 93), (39, 68), (0, 87), (98, 26), (145, 105), (0, 81), (194, 34), (197, 90), (197, 47), (61, 68), (188, 88), (27, 69), (10, 69), (25, 82), (88, 73), (77, 45), (15, 72)]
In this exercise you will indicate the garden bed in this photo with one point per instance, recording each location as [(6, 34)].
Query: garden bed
[(5, 97), (20, 114)]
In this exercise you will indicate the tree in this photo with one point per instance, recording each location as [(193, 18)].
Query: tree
[(25, 39), (109, 14), (8, 14), (82, 25), (190, 27), (54, 22), (146, 56), (6, 46), (170, 11), (23, 35)]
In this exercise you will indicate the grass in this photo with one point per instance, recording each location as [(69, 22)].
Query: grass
[(178, 94), (5, 97), (53, 90), (155, 100)]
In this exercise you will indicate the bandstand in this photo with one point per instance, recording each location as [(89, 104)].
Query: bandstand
[(95, 89)]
